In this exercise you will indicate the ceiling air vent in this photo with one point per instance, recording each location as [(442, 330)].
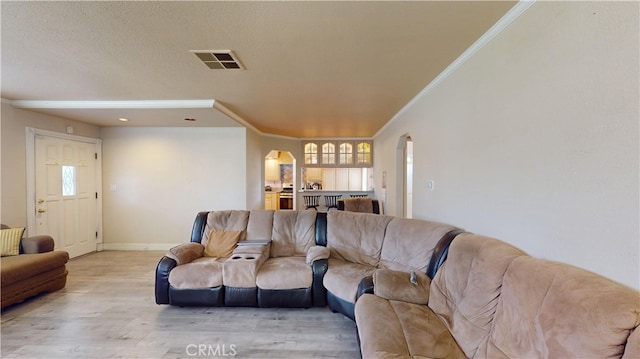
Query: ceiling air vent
[(219, 59)]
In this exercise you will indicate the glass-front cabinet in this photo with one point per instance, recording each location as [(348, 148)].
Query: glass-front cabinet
[(310, 150), (338, 153), (337, 165)]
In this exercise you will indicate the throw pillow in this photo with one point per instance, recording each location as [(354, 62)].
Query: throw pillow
[(221, 243), (10, 241)]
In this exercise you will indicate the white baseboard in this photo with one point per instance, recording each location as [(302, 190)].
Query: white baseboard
[(137, 246)]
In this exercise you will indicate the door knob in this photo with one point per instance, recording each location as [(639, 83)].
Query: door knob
[(41, 210)]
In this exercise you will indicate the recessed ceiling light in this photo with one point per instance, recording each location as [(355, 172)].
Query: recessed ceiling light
[(123, 119)]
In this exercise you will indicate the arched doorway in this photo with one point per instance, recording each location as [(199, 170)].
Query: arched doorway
[(404, 179), (279, 180)]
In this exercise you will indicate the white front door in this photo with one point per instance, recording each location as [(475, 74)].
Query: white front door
[(66, 204)]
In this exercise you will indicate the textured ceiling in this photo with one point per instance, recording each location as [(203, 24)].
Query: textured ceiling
[(313, 69)]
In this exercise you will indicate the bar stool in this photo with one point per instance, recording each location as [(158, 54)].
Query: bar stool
[(312, 201), (331, 201), (359, 195)]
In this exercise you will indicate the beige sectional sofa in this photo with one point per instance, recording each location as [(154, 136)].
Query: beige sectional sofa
[(491, 300), (415, 288)]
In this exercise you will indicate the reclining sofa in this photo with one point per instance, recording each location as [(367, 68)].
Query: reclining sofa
[(278, 261), (284, 258), (415, 288)]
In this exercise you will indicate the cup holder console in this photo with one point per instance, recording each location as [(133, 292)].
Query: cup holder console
[(240, 270)]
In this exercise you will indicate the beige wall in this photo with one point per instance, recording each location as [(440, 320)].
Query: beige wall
[(535, 141), (13, 143), (164, 177), (255, 172)]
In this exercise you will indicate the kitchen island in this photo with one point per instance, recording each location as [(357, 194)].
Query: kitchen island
[(322, 206)]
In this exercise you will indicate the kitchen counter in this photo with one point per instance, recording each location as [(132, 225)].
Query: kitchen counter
[(345, 194), (334, 191)]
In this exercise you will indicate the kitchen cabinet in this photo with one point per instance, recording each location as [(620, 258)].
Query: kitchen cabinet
[(272, 201), (363, 153), (314, 174), (338, 153), (339, 179), (342, 179), (355, 179), (329, 179), (271, 170)]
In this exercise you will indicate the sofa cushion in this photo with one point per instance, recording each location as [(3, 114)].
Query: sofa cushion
[(285, 273), (233, 220), (466, 288), (260, 224), (24, 266), (205, 272), (10, 241), (221, 243), (396, 285), (342, 278), (560, 312), (294, 232), (396, 329), (356, 237), (408, 243)]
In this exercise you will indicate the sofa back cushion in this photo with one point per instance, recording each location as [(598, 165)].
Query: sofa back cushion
[(408, 243), (554, 310), (356, 237), (466, 288), (294, 232), (260, 225), (233, 220)]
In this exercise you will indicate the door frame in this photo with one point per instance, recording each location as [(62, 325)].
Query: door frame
[(401, 178), (31, 134)]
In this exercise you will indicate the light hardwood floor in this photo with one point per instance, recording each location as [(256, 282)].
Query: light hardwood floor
[(108, 310)]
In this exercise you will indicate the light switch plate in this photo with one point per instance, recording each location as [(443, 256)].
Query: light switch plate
[(431, 185)]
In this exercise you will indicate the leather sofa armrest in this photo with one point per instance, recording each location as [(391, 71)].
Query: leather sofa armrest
[(185, 253), (319, 269), (37, 244), (165, 266), (396, 285), (317, 252), (365, 287)]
